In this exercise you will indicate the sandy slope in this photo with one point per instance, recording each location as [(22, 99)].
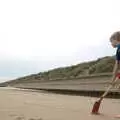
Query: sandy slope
[(18, 104)]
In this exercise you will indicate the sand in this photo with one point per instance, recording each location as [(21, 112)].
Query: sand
[(16, 104)]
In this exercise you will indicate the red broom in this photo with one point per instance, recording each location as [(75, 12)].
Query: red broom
[(96, 105)]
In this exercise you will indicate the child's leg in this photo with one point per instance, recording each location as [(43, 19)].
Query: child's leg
[(117, 86)]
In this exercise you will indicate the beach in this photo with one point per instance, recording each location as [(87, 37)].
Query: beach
[(20, 104)]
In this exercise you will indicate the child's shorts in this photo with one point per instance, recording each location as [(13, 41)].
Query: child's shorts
[(118, 75)]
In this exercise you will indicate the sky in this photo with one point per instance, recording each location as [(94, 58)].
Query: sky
[(39, 35)]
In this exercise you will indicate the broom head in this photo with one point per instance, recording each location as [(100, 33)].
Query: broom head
[(96, 107)]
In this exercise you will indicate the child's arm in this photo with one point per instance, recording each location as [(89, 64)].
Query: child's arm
[(115, 70)]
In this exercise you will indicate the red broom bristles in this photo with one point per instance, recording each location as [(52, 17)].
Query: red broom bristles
[(96, 107)]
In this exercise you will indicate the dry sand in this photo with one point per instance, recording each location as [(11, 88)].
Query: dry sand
[(18, 104)]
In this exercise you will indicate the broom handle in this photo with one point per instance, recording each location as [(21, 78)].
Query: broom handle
[(106, 92)]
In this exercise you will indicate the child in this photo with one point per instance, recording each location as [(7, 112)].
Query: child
[(115, 42)]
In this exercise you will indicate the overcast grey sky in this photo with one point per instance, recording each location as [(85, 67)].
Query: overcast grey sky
[(38, 35)]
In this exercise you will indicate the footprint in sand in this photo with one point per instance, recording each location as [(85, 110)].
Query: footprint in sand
[(23, 118), (20, 118), (35, 119)]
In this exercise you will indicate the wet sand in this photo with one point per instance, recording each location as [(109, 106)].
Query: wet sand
[(16, 104)]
